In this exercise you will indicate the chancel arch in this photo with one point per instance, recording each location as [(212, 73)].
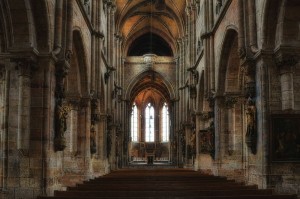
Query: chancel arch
[(149, 135)]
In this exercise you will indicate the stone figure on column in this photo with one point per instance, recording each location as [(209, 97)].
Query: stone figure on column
[(251, 134), (62, 110)]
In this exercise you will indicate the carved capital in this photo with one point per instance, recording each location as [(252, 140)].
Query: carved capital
[(285, 62), (242, 53), (62, 69), (230, 101), (211, 102), (2, 72), (68, 55), (204, 116), (24, 66), (74, 102), (193, 91), (103, 118), (84, 102), (249, 68), (250, 89)]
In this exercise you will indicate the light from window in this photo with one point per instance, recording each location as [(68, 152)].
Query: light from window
[(149, 124), (165, 123), (134, 124)]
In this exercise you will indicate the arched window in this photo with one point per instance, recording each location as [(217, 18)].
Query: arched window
[(149, 123), (165, 123), (134, 123)]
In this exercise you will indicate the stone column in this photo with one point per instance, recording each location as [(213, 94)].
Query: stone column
[(252, 25), (241, 29), (286, 64), (85, 104), (215, 103), (69, 39), (230, 106), (25, 69), (4, 87), (74, 125), (102, 137)]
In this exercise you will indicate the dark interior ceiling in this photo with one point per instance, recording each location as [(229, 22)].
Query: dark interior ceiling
[(150, 43)]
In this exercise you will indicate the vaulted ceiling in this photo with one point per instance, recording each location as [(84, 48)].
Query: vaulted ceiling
[(165, 18)]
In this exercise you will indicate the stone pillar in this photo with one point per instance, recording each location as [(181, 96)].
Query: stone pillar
[(241, 29), (85, 105), (74, 125), (230, 106), (252, 25), (25, 69), (286, 64), (102, 137), (4, 93), (69, 39)]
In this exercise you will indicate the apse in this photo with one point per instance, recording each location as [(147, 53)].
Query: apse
[(150, 43)]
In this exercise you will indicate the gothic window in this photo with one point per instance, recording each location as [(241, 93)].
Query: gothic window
[(165, 123), (149, 123), (134, 124)]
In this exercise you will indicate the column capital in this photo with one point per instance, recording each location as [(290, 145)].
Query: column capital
[(2, 72), (285, 62), (25, 66), (230, 101)]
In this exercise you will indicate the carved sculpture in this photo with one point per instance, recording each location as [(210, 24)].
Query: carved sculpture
[(251, 134), (182, 141), (230, 102), (207, 140), (219, 6), (61, 106), (192, 146), (61, 113), (93, 145), (95, 118), (193, 91), (108, 143)]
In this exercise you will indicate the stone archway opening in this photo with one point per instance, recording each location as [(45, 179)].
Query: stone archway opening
[(150, 133)]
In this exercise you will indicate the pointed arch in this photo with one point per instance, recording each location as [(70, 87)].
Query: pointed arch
[(21, 18), (165, 85), (77, 80), (229, 63), (132, 37), (270, 20), (42, 22)]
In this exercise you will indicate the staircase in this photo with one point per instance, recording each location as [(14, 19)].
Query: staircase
[(164, 184)]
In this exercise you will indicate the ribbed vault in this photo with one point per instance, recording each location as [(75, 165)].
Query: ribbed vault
[(138, 17)]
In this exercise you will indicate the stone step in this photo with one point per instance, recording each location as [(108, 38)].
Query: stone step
[(159, 188), (184, 197), (174, 193), (164, 184)]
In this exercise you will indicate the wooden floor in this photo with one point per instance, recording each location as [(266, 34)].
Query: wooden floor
[(164, 183)]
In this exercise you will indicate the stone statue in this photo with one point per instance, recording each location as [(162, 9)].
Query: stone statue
[(93, 146), (62, 110), (251, 134)]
